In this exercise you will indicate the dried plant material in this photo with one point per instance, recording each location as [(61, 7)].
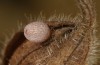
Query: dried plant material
[(71, 42)]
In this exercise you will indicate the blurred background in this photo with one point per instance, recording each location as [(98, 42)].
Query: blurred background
[(12, 11)]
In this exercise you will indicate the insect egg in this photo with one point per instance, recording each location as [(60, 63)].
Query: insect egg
[(37, 32)]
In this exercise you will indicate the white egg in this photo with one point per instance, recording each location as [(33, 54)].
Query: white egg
[(37, 32)]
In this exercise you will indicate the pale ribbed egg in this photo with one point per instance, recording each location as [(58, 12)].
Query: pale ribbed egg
[(37, 32)]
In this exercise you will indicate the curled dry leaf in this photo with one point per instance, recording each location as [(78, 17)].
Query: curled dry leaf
[(69, 43)]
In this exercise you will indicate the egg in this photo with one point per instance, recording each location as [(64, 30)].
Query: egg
[(37, 32)]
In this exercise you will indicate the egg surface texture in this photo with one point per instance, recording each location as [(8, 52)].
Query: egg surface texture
[(37, 32)]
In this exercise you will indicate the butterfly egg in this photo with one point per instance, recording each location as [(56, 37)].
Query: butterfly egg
[(37, 32)]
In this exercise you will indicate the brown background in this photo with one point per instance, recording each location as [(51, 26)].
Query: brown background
[(13, 11)]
